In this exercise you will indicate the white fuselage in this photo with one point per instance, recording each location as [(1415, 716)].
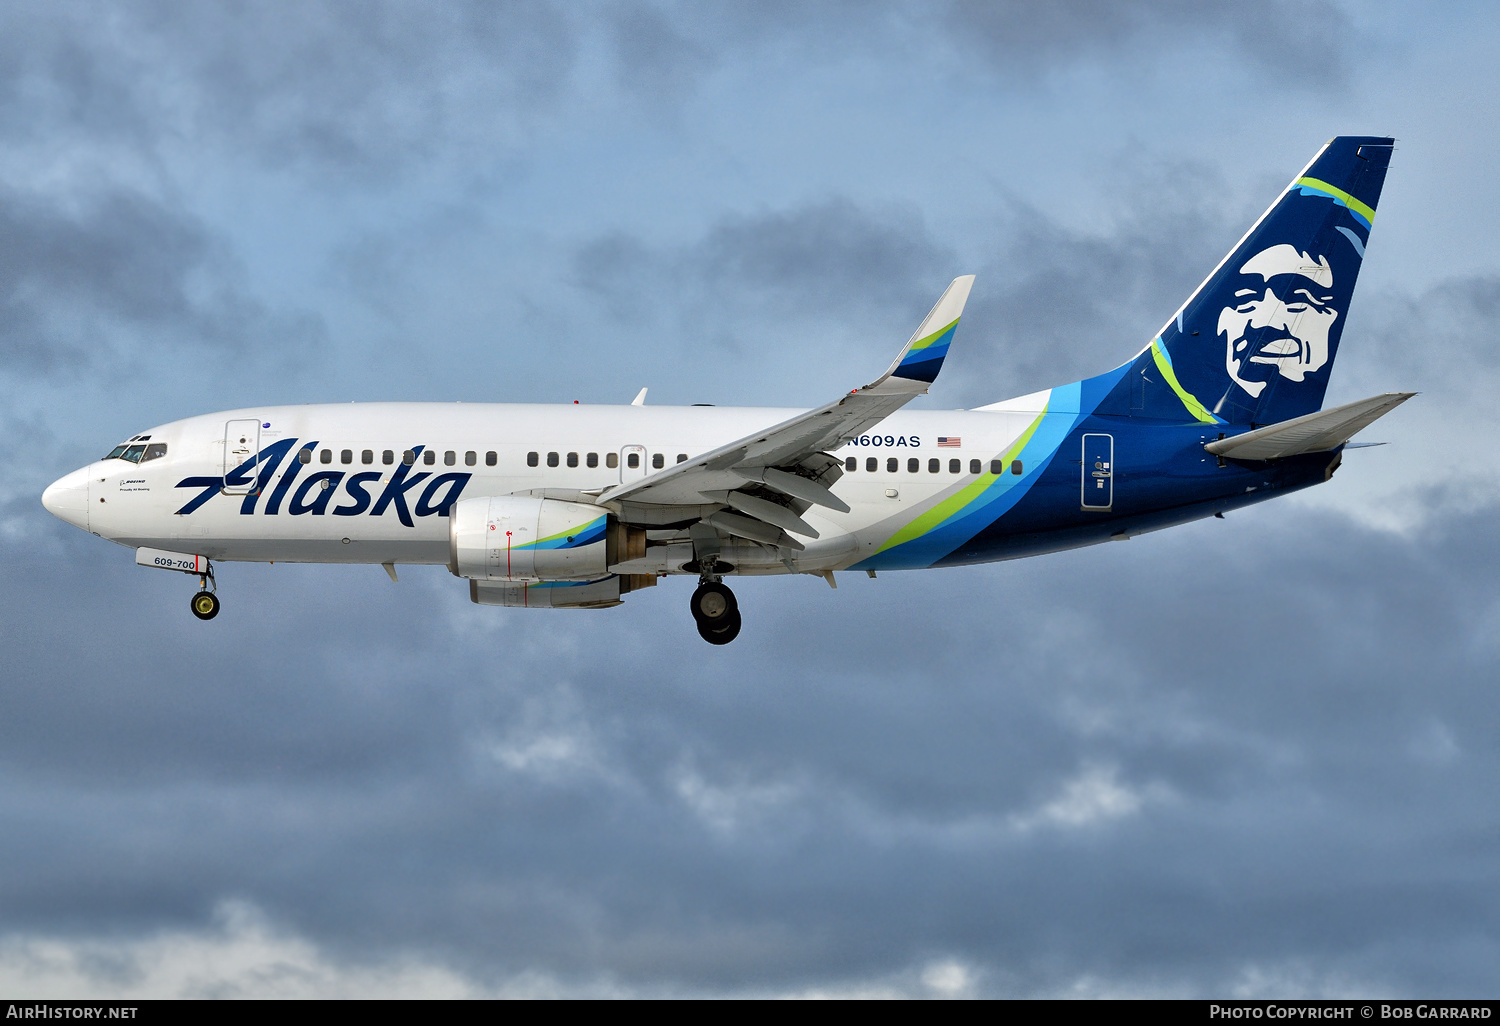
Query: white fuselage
[(293, 520)]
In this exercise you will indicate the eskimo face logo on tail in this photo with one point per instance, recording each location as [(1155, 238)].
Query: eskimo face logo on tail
[(1280, 320)]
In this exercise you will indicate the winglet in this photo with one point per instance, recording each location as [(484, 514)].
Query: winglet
[(919, 363)]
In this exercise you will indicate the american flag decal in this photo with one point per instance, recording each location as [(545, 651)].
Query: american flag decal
[(949, 441)]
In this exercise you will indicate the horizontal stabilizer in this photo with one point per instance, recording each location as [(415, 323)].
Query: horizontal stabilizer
[(1315, 432)]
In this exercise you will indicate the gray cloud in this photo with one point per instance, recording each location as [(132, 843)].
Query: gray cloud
[(364, 88), (655, 60), (1056, 304), (370, 91), (1260, 760), (819, 263), (1301, 41), (1439, 336), (1243, 755), (101, 275)]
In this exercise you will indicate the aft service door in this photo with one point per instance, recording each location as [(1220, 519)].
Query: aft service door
[(632, 462), (1098, 471), (241, 443)]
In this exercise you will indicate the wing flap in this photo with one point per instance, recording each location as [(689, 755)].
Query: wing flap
[(1314, 432)]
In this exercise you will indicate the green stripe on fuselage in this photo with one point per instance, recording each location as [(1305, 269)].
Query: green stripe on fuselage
[(945, 510)]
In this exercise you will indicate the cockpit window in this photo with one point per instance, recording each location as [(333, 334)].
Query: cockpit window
[(134, 453), (154, 451), (118, 451)]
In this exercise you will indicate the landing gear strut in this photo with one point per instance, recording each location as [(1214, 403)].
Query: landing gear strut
[(205, 604), (715, 609)]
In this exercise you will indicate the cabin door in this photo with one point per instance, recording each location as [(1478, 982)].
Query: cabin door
[(241, 444)]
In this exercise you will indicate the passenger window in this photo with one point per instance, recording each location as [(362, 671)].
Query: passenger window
[(429, 457), (913, 466), (552, 459), (592, 460), (872, 465), (367, 457), (133, 454), (611, 460), (450, 458), (304, 457), (997, 466), (346, 456), (471, 458), (1015, 467), (533, 459), (491, 458), (658, 460), (633, 461), (572, 459), (974, 466), (409, 456), (154, 451), (892, 465), (933, 466), (851, 463), (954, 466), (326, 456), (682, 457), (388, 457)]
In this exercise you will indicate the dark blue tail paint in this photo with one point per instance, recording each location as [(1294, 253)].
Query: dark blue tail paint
[(1254, 345), (1256, 342)]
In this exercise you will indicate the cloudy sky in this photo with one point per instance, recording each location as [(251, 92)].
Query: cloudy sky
[(1246, 757)]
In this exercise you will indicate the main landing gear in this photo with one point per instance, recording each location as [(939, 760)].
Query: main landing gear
[(205, 604), (715, 610)]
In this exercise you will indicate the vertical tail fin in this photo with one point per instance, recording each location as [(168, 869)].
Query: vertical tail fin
[(1255, 343)]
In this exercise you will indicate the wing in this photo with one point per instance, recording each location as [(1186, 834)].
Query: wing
[(786, 464)]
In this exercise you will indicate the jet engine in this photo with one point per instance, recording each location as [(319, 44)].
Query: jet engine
[(522, 539)]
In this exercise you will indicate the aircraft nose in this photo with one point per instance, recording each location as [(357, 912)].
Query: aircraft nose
[(67, 498)]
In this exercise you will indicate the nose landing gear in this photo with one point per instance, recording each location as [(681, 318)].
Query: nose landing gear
[(205, 604), (715, 610)]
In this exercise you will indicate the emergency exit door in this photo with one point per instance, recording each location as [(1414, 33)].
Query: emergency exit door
[(1098, 471), (632, 463)]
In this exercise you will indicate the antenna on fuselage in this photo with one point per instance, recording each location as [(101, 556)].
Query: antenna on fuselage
[(640, 399)]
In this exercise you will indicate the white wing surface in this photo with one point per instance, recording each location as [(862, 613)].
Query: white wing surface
[(786, 466)]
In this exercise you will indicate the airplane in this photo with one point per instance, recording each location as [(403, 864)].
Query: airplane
[(577, 506)]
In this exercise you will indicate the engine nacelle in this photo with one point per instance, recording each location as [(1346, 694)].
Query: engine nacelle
[(600, 594), (517, 538)]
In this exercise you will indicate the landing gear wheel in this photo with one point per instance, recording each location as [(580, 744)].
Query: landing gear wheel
[(205, 605), (712, 604), (722, 632)]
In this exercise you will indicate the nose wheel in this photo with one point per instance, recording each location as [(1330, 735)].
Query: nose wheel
[(205, 604), (716, 613)]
